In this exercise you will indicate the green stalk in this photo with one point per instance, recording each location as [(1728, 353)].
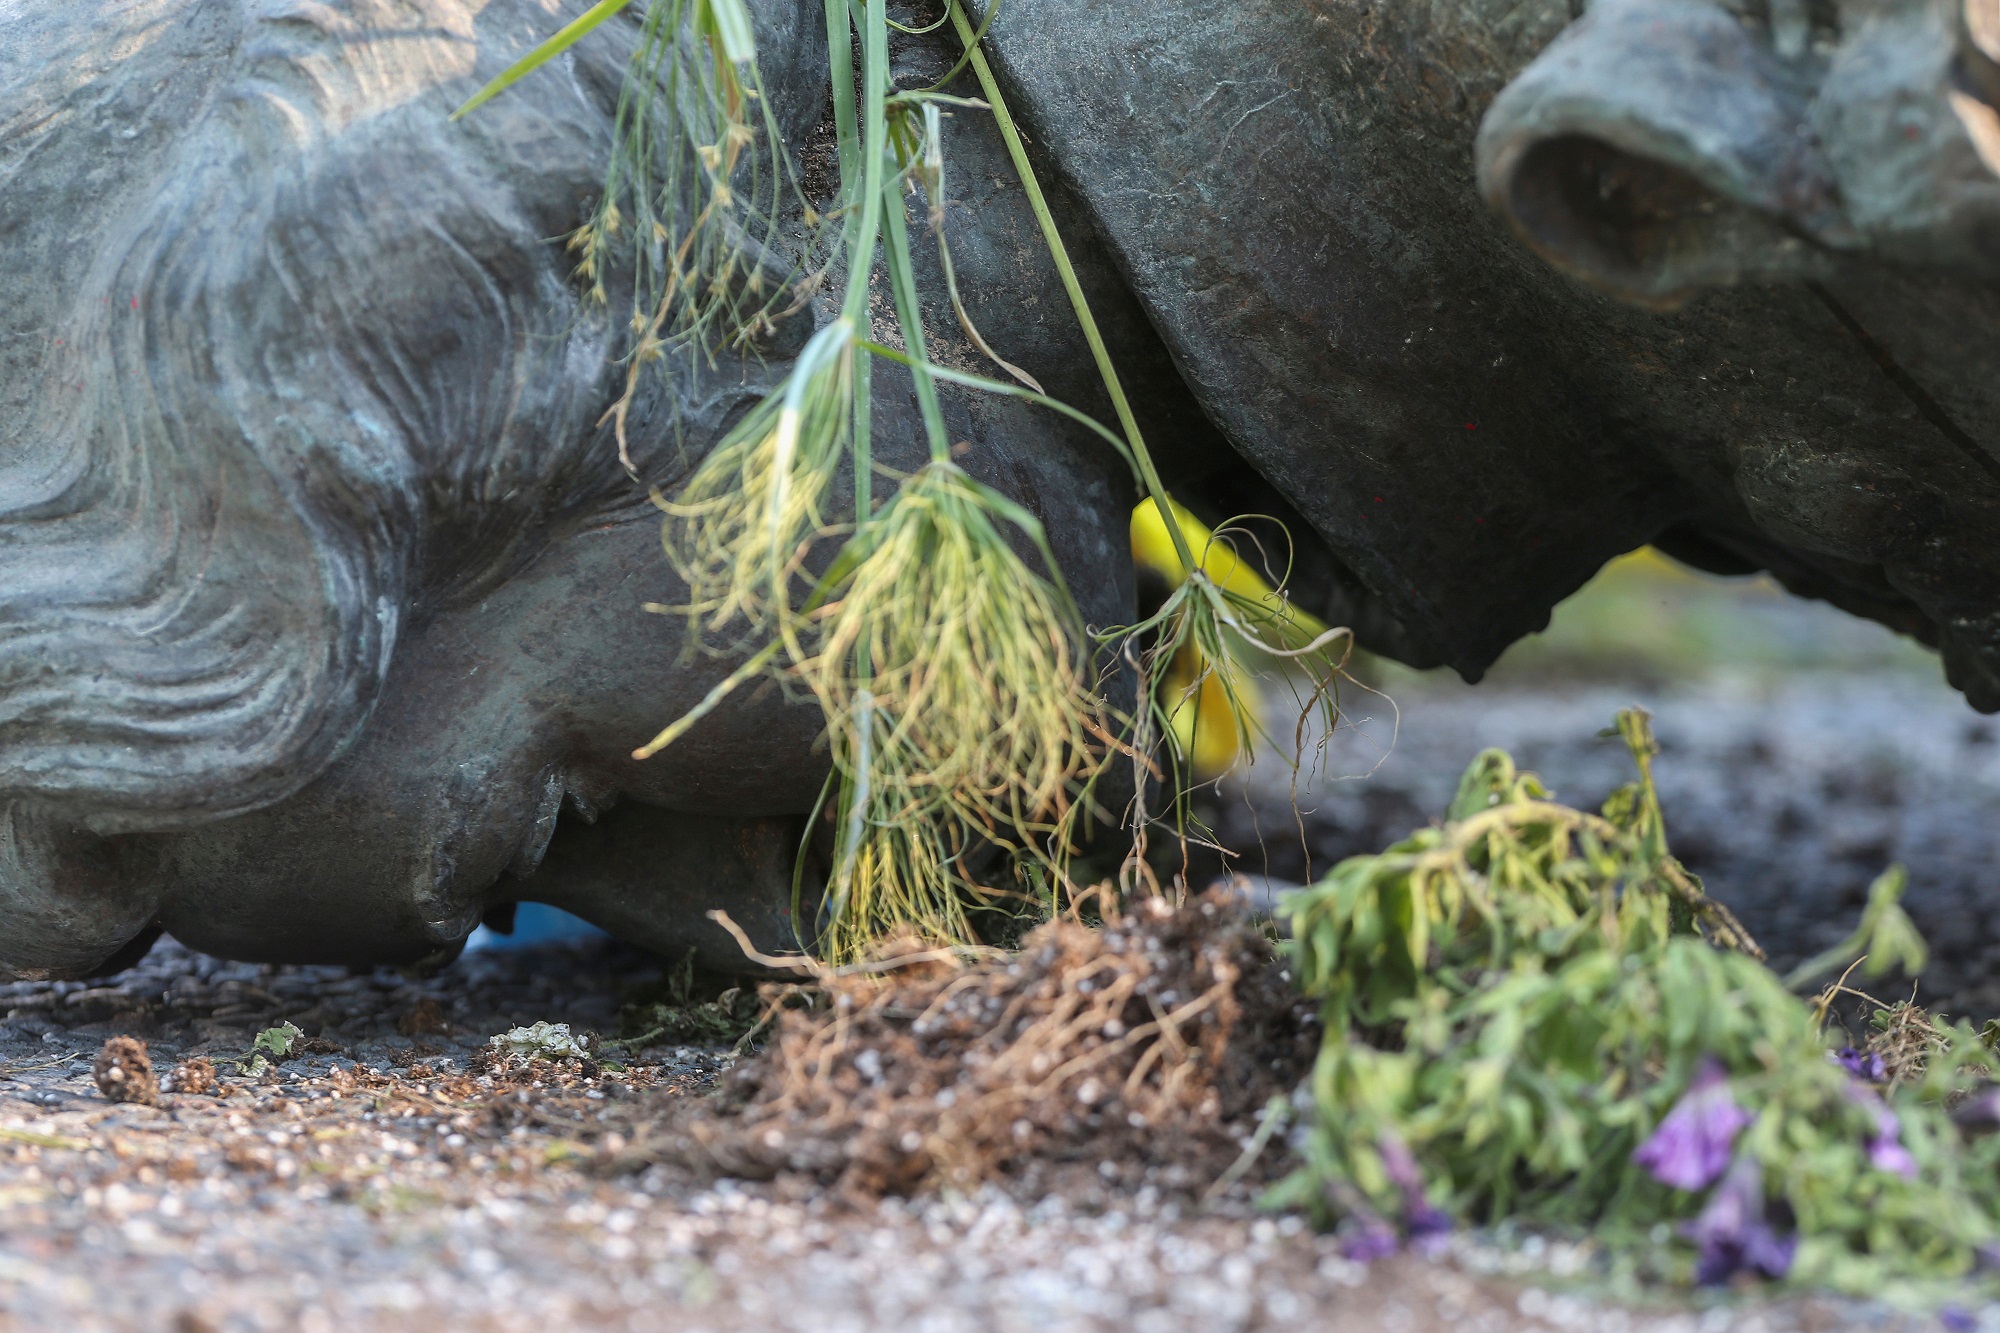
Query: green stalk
[(864, 458), (1148, 474), (1001, 388), (571, 33), (840, 50), (853, 788), (762, 658), (874, 130), (875, 136), (992, 12), (903, 283)]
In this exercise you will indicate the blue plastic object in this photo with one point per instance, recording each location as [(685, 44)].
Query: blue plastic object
[(534, 923)]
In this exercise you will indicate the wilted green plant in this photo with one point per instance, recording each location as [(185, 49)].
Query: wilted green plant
[(675, 1014), (739, 530), (957, 698), (1211, 617), (1885, 939), (1534, 1012), (273, 1043), (1221, 621), (695, 195)]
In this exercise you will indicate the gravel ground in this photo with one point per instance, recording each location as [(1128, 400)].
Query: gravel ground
[(390, 1178)]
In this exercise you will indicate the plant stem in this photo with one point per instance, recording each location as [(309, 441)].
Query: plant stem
[(903, 282), (840, 50), (1148, 474), (874, 145), (762, 658)]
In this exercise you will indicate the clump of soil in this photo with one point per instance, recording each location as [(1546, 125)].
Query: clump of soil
[(425, 1018), (124, 1072), (197, 1077), (1150, 1042)]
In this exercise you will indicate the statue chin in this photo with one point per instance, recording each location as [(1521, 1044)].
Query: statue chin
[(498, 767)]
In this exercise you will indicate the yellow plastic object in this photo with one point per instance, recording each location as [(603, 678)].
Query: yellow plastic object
[(1153, 548), (1204, 727)]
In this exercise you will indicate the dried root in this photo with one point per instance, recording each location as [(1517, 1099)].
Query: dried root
[(1151, 1041)]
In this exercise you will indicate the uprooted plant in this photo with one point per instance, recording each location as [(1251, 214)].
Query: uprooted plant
[(1529, 1012), (1534, 1012)]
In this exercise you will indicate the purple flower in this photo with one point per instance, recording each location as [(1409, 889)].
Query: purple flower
[(1886, 1153), (1758, 1251), (1429, 1227), (1731, 1232), (1374, 1239), (1866, 1065), (1399, 1165), (1690, 1148), (1982, 1112), (1885, 1147), (1430, 1230), (1957, 1320)]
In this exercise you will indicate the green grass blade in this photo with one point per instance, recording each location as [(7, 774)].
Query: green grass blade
[(734, 31), (840, 45), (571, 33), (710, 702), (910, 314), (992, 12), (875, 135), (981, 382)]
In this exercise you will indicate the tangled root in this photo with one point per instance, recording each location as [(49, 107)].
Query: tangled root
[(1153, 1041)]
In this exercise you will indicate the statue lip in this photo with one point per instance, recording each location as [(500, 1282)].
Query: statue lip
[(1659, 147)]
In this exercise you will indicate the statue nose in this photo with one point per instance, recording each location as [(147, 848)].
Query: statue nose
[(1658, 147)]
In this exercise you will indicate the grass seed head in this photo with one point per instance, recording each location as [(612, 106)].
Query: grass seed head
[(972, 658), (953, 674), (738, 531)]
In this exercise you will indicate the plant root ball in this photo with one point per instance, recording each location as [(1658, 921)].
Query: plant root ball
[(124, 1072), (1148, 1046)]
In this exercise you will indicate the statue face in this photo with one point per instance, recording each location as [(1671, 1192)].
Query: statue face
[(1847, 152), (293, 384), (318, 583), (321, 583)]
